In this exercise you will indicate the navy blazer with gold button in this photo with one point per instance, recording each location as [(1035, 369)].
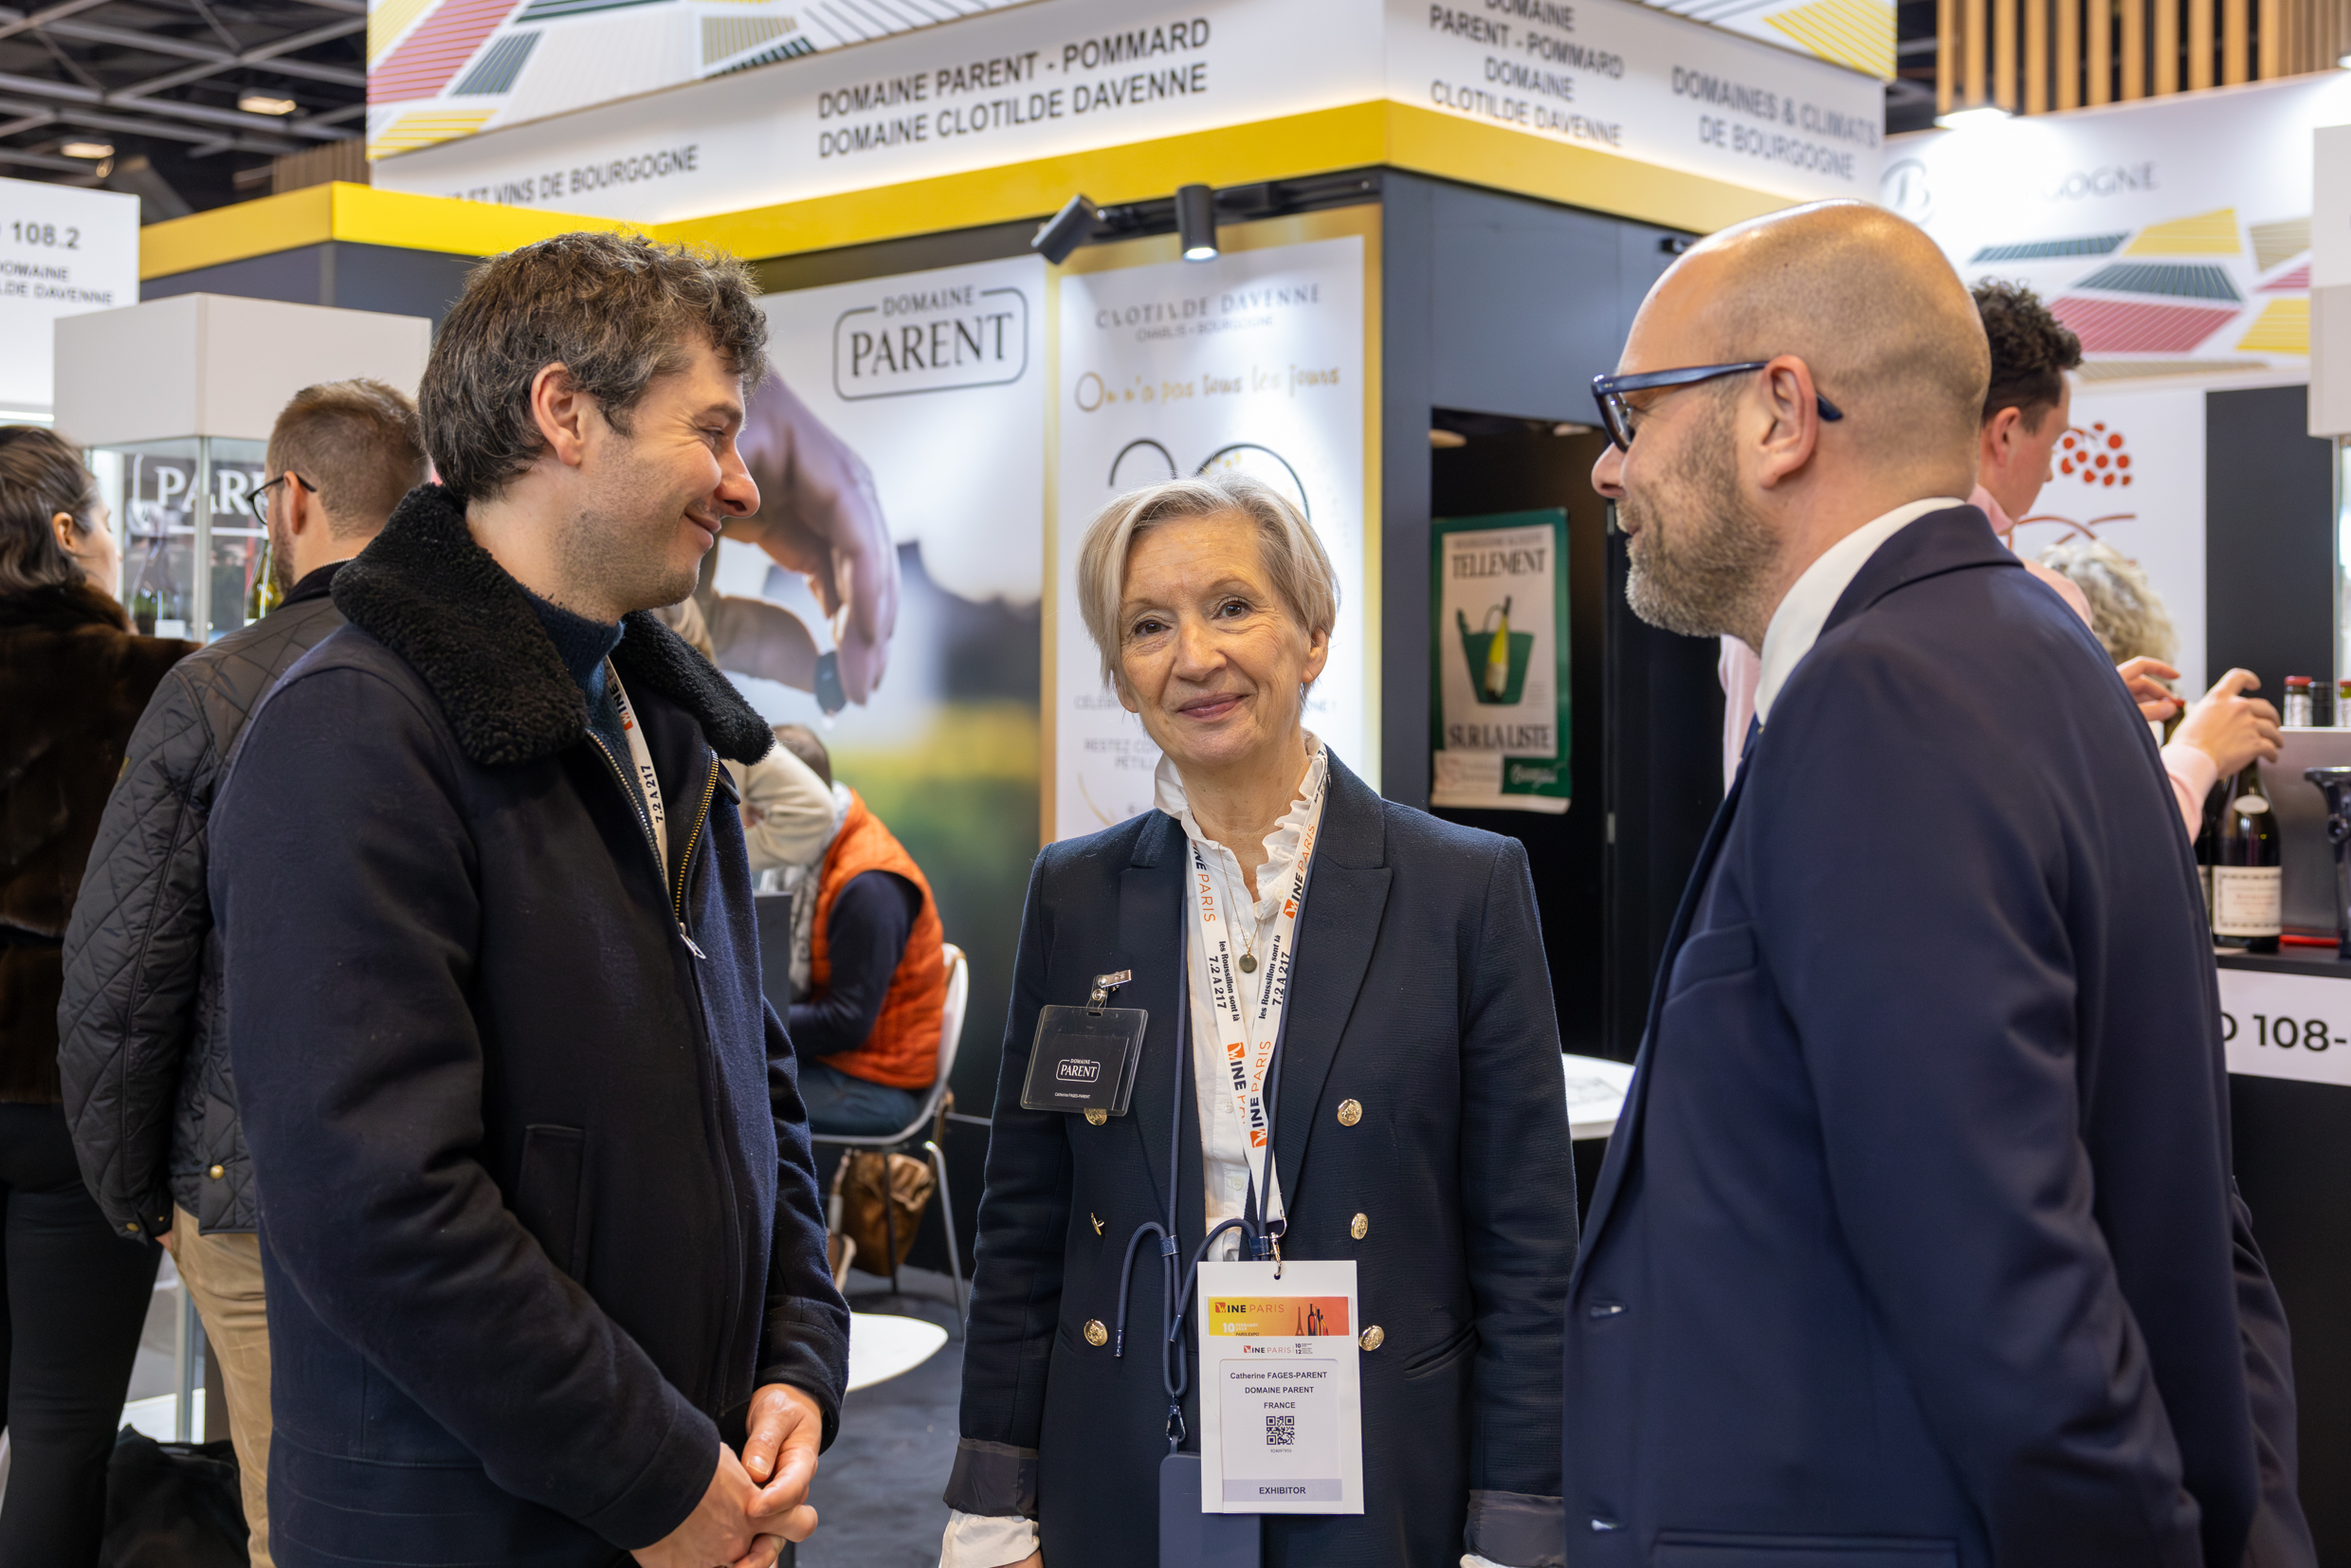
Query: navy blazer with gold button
[(1420, 992)]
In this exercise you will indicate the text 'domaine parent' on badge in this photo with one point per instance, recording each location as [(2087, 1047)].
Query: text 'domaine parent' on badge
[(1084, 1058)]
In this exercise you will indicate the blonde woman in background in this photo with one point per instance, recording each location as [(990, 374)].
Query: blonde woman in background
[(2221, 731)]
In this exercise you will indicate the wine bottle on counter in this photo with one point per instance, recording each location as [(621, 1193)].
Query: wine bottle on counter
[(2248, 909), (2341, 716), (2297, 703)]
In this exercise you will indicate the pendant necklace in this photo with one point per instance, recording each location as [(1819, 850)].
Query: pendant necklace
[(1249, 943)]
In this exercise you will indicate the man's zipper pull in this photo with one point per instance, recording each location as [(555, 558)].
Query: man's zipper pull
[(689, 946)]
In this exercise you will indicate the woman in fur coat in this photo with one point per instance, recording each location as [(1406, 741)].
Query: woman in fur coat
[(73, 681)]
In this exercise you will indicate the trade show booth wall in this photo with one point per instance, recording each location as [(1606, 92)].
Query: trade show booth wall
[(1485, 313), (1394, 314)]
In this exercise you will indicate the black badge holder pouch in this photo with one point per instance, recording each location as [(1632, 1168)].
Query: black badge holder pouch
[(1084, 1058)]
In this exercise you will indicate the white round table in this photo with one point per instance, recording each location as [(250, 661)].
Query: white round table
[(882, 1346), (1596, 1094)]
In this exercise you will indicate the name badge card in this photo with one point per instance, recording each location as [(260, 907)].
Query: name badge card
[(1084, 1059), (1280, 1389)]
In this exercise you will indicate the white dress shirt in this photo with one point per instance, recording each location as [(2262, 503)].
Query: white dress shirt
[(971, 1542), (1796, 623)]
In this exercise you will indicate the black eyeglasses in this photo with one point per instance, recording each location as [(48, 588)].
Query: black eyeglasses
[(257, 500), (1616, 415)]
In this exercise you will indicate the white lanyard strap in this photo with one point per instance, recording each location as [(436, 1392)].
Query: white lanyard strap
[(1246, 1010), (642, 760)]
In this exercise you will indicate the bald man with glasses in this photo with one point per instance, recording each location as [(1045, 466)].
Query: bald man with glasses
[(1916, 1245)]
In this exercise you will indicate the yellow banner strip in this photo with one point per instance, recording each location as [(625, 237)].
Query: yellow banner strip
[(1358, 135)]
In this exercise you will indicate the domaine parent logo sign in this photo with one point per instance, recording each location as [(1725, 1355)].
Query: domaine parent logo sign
[(931, 340)]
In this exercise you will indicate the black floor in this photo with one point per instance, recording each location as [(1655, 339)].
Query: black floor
[(877, 1487)]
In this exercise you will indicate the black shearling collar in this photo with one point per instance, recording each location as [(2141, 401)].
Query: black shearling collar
[(427, 591)]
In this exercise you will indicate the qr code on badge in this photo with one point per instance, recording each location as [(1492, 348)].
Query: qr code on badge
[(1281, 1431)]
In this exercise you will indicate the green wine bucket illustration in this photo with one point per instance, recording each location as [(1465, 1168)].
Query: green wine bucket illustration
[(1497, 655)]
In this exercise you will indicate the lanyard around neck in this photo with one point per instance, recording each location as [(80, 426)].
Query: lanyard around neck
[(1246, 1010), (1177, 1281), (642, 758)]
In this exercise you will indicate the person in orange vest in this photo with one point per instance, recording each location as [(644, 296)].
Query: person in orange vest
[(869, 979)]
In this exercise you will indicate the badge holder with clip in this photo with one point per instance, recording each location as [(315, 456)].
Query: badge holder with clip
[(1083, 1059)]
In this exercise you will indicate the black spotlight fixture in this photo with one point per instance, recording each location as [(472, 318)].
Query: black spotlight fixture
[(1196, 221), (1066, 229)]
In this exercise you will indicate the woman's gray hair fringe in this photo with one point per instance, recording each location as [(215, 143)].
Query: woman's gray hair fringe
[(1295, 559)]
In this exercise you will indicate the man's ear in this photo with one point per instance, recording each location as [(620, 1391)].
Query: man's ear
[(1791, 404), (563, 414), (302, 511), (1996, 442)]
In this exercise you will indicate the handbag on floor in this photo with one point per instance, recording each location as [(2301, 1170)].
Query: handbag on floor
[(173, 1506), (869, 1221)]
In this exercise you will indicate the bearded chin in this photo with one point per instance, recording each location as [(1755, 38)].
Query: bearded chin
[(281, 568), (1671, 587), (1658, 599), (1698, 575)]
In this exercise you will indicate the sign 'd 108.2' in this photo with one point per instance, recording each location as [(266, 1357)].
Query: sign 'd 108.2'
[(62, 250), (2286, 1026)]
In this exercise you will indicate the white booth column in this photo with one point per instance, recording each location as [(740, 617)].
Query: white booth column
[(173, 402)]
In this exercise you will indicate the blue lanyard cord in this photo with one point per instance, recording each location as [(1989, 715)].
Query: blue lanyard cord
[(1126, 1273), (1192, 1277), (1175, 1293), (1174, 1371)]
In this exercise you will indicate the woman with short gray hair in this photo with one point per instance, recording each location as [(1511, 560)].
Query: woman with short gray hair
[(1362, 985)]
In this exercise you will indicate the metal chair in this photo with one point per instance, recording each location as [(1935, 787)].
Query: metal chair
[(932, 1115)]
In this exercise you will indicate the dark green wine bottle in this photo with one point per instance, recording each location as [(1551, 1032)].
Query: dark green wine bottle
[(2248, 910)]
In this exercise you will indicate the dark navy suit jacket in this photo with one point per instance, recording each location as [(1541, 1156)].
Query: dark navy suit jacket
[(1420, 995), (1916, 1244)]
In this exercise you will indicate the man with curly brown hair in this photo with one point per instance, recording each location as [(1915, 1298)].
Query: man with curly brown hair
[(539, 1222), (2030, 403), (2027, 411)]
